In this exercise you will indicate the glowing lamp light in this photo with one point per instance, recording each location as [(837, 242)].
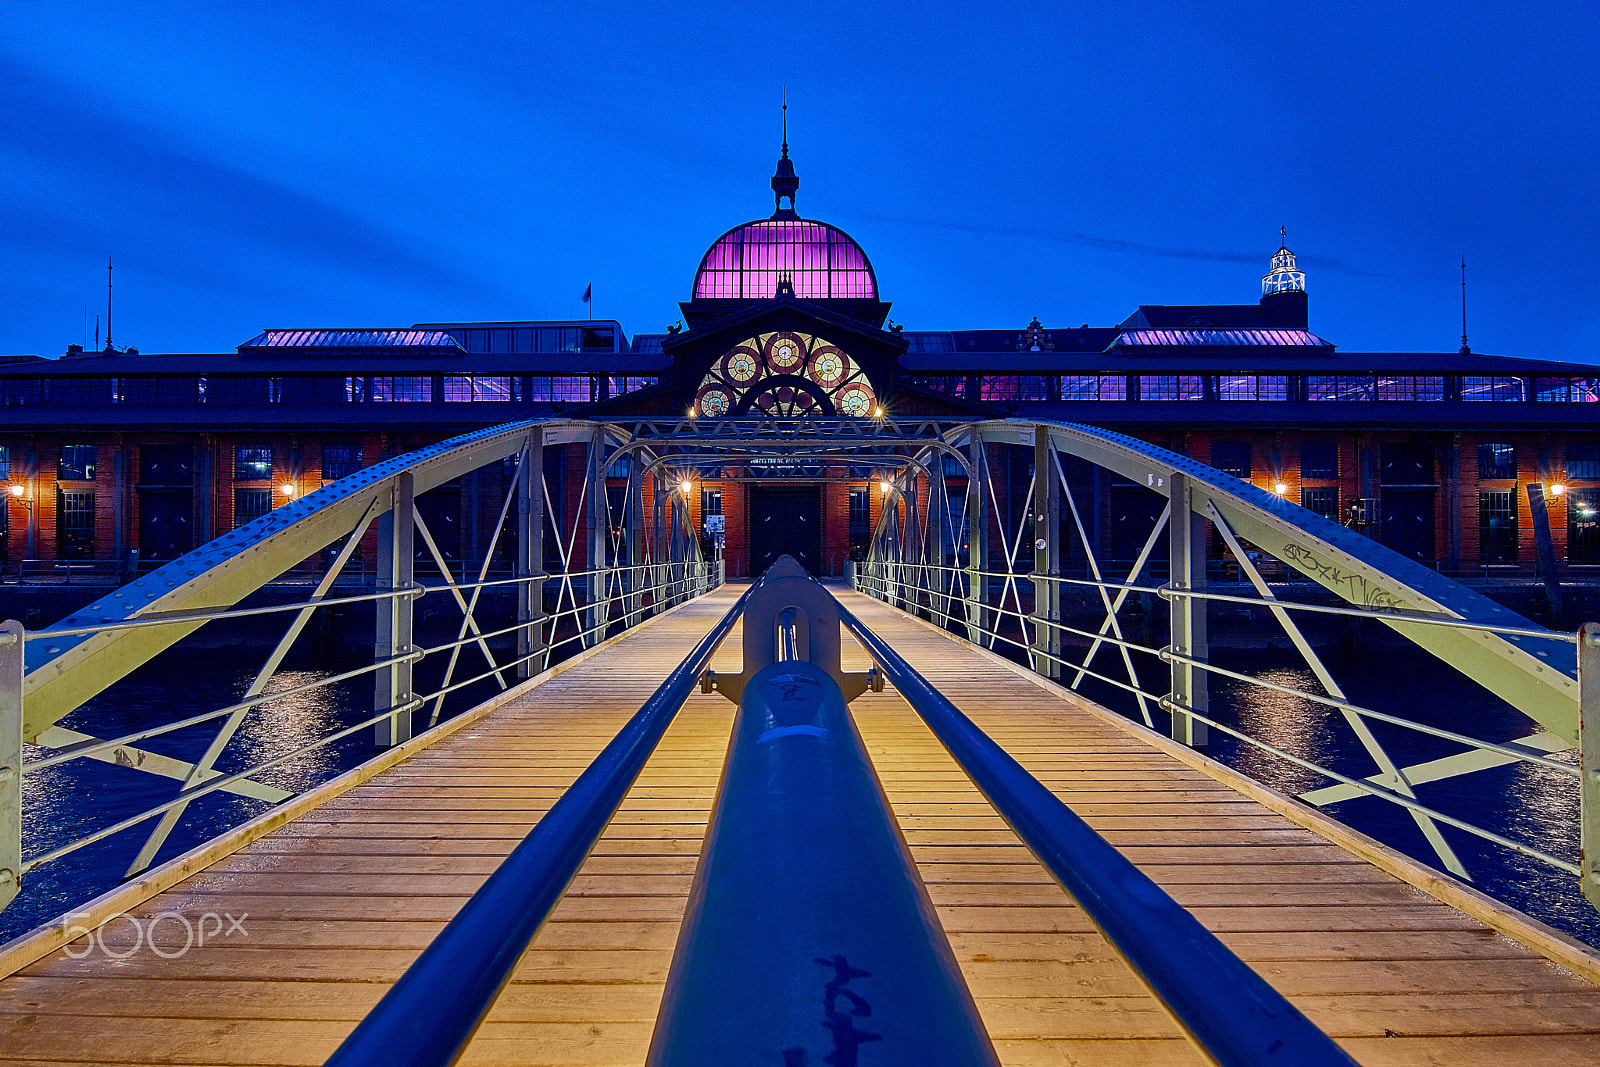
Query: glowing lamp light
[(1557, 489), (885, 487), (17, 491), (690, 412), (287, 490), (877, 412), (686, 485), (1280, 489)]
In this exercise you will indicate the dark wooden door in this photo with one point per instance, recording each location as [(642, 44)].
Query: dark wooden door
[(785, 521), (1408, 522), (166, 528)]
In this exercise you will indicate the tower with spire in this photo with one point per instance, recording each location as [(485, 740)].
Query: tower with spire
[(1283, 289), (784, 181)]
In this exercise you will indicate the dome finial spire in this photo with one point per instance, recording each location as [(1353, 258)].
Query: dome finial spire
[(784, 181)]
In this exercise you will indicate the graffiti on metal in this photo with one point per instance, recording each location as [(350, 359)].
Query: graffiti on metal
[(1364, 592)]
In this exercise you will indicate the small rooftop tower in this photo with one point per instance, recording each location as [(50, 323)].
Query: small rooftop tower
[(784, 182), (1283, 290)]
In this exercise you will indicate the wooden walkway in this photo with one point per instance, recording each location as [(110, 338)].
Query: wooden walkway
[(339, 901)]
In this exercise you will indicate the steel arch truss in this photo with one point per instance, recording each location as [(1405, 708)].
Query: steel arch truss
[(989, 561)]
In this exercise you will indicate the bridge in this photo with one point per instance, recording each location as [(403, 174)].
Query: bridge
[(630, 811)]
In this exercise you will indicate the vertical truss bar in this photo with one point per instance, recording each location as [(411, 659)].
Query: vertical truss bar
[(977, 538), (938, 523), (1186, 536), (10, 760), (396, 554), (636, 547), (1588, 751), (595, 554), (1046, 557), (530, 555), (914, 541)]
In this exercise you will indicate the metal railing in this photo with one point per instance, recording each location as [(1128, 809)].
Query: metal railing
[(513, 627), (1232, 1013), (1102, 628), (429, 1015)]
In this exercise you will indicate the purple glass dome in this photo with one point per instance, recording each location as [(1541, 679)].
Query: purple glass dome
[(822, 261)]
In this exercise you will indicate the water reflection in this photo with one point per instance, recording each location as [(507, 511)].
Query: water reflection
[(69, 801), (1292, 723)]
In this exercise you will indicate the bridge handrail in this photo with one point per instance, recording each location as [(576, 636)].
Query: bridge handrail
[(1511, 752), (417, 589), (432, 1011), (1168, 592), (1227, 1009), (670, 593)]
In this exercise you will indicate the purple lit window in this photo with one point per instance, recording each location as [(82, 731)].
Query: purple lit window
[(1410, 388), (565, 389), (1035, 387), (1172, 387), (822, 263), (462, 390), (400, 390), (1567, 390), (999, 387), (1253, 387), (1492, 389), (1341, 387)]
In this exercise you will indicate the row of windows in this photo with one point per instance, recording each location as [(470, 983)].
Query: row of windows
[(1309, 387), (449, 389), (1320, 459)]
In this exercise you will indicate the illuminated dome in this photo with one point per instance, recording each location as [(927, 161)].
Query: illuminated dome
[(821, 261)]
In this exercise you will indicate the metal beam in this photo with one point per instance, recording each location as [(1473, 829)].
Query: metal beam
[(393, 632), (1186, 536)]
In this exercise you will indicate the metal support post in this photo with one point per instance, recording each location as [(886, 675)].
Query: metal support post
[(530, 557), (595, 554), (636, 547), (915, 559), (977, 541), (10, 760), (1186, 534), (1046, 557), (1589, 757), (938, 523), (396, 554)]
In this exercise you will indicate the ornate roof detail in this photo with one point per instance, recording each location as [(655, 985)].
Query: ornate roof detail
[(1284, 275), (784, 181)]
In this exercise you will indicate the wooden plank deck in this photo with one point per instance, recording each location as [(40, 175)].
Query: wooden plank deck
[(340, 900)]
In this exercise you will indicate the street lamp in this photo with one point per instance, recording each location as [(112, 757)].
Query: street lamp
[(1557, 489), (287, 489)]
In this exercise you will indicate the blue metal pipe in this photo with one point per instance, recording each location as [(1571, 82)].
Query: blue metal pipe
[(809, 936), (1230, 1012), (431, 1013)]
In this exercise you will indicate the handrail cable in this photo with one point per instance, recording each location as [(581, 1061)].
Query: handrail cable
[(1231, 1013), (429, 1015)]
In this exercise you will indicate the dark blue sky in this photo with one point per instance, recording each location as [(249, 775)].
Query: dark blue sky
[(332, 163)]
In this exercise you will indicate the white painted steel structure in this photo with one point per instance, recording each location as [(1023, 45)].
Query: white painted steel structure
[(923, 559), (638, 566)]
